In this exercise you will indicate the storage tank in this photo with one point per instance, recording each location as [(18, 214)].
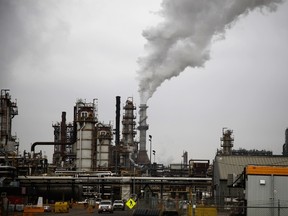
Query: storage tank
[(104, 138)]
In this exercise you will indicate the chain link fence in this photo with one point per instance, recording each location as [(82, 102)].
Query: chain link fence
[(256, 208)]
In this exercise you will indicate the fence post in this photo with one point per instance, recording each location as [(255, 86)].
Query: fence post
[(278, 207)]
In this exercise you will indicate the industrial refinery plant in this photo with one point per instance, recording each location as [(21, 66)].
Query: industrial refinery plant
[(92, 159)]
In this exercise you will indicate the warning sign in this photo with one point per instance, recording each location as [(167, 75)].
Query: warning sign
[(130, 203)]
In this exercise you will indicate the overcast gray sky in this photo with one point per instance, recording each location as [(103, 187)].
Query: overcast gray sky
[(200, 65)]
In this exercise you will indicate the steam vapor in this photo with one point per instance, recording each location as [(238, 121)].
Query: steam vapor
[(184, 37)]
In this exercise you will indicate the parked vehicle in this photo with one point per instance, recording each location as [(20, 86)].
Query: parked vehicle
[(105, 206), (47, 208), (119, 204)]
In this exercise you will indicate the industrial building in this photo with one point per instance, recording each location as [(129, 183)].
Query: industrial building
[(230, 182), (8, 110), (266, 186), (87, 144)]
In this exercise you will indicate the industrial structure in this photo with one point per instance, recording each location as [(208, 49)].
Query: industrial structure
[(230, 181), (63, 155), (87, 144), (285, 145), (227, 141), (143, 127), (93, 159), (265, 186), (8, 110)]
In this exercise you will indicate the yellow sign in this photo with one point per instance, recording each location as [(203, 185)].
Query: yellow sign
[(130, 203)]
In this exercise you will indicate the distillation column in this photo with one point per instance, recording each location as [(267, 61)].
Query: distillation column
[(63, 154), (128, 134), (8, 110), (86, 118), (227, 141)]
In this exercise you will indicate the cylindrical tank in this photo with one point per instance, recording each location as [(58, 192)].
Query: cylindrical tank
[(52, 192), (86, 119), (84, 146)]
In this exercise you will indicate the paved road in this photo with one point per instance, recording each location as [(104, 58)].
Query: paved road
[(86, 212), (81, 211)]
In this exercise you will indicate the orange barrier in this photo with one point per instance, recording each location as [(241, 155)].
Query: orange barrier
[(32, 210)]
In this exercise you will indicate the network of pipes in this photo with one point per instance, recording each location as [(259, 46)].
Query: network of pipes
[(83, 145), (87, 152)]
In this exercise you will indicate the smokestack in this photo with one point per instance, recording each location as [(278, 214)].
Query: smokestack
[(63, 133), (117, 129), (285, 146), (143, 127)]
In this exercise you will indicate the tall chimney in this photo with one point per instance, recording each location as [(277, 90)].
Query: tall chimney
[(63, 133), (117, 134), (143, 127), (117, 129)]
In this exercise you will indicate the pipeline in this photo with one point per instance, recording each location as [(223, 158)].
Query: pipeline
[(47, 143)]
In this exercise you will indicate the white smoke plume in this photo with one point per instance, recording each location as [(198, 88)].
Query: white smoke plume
[(184, 37)]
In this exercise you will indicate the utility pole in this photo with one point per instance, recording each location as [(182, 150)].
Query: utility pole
[(150, 167), (150, 139)]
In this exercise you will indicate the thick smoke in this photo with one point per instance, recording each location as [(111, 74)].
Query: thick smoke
[(184, 37)]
